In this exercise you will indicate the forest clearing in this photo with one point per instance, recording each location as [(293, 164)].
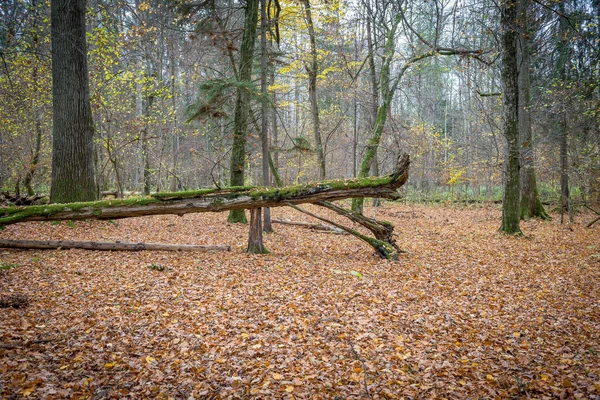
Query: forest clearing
[(467, 312)]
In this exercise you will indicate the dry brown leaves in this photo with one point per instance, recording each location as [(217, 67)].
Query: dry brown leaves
[(467, 313)]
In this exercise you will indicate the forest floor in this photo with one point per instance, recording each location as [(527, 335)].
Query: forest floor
[(466, 313)]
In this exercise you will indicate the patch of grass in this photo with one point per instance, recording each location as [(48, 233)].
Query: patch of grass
[(71, 223), (157, 267), (6, 266)]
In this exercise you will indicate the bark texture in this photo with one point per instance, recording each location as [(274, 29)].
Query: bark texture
[(255, 239), (242, 105), (531, 205), (73, 131), (510, 110)]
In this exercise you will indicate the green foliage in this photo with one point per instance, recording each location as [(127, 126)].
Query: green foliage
[(6, 266), (158, 267), (215, 94)]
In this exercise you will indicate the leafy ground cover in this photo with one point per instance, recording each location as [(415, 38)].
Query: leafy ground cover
[(466, 313)]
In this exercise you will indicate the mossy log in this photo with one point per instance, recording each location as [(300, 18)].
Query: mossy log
[(215, 200)]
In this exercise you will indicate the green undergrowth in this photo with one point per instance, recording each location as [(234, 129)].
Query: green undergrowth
[(6, 266)]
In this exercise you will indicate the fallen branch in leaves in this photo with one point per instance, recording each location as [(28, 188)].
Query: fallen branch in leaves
[(68, 244), (595, 220), (382, 230), (318, 227), (383, 249)]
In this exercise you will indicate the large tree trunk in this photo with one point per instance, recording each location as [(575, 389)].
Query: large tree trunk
[(510, 109), (73, 131), (215, 200), (312, 71), (531, 205), (242, 105)]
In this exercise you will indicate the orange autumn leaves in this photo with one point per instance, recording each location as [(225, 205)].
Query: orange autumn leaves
[(466, 313)]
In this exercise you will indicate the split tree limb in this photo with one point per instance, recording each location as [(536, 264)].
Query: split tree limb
[(68, 244), (215, 200), (383, 249), (382, 230), (594, 220)]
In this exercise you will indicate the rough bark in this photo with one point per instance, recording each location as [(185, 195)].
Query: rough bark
[(215, 200), (531, 205), (68, 244), (73, 177), (510, 128), (312, 71), (242, 106), (255, 238)]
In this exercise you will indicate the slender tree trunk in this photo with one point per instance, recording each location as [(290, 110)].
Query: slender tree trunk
[(242, 106), (73, 175), (531, 205), (374, 97), (565, 200), (37, 112), (35, 159), (510, 110), (387, 94), (312, 71), (264, 129)]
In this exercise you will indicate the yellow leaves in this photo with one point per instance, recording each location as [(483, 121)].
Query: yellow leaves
[(289, 389), (545, 377), (150, 359), (110, 365), (277, 376), (143, 7), (27, 392)]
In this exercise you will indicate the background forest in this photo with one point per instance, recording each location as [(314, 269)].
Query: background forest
[(164, 77)]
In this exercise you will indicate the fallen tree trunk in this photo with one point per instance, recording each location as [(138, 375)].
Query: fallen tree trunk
[(215, 200), (68, 244)]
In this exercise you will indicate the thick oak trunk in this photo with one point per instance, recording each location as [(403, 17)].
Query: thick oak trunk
[(215, 200), (73, 128)]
